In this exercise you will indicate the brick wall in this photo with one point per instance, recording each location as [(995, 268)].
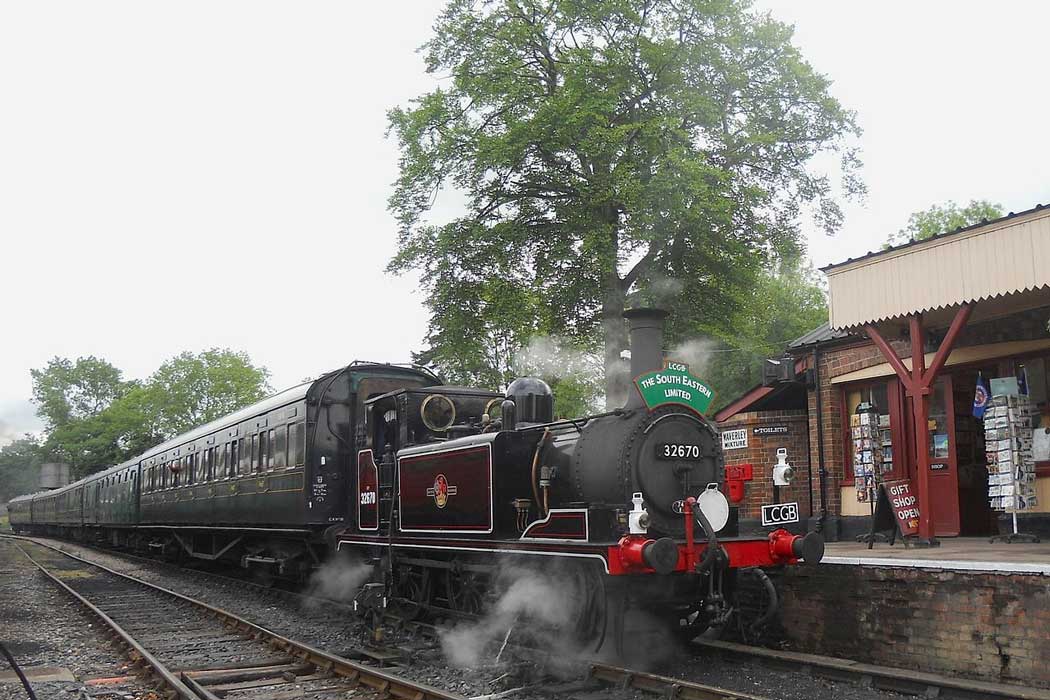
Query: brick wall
[(987, 626), (761, 452)]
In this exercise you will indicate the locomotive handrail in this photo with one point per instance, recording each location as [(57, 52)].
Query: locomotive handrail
[(577, 422)]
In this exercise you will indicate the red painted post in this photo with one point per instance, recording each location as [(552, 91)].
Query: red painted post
[(920, 402)]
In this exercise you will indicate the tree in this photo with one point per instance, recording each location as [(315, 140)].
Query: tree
[(20, 467), (943, 218), (605, 147), (190, 390), (66, 391), (788, 302), (95, 420)]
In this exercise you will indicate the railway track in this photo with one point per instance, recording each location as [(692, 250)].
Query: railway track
[(200, 652)]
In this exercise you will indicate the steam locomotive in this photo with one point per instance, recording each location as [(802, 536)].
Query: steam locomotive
[(442, 488), (625, 506)]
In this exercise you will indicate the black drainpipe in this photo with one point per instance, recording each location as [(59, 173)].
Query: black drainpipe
[(823, 472), (809, 453)]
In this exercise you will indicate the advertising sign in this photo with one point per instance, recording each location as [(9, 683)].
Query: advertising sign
[(905, 505), (734, 439)]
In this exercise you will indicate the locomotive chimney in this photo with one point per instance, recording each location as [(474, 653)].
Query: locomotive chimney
[(647, 336)]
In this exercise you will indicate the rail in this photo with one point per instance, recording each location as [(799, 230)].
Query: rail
[(189, 684)]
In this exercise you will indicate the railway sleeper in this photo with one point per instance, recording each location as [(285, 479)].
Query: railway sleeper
[(248, 673)]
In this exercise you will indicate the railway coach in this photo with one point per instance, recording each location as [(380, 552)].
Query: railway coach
[(260, 487)]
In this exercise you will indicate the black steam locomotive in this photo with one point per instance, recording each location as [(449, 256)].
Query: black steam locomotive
[(442, 488)]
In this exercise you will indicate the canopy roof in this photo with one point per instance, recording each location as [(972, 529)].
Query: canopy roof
[(1007, 260)]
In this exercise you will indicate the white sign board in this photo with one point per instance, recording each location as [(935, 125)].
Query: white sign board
[(734, 439)]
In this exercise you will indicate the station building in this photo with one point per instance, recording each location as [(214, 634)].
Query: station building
[(972, 303), (911, 331)]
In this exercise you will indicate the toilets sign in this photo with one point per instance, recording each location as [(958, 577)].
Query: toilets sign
[(674, 385)]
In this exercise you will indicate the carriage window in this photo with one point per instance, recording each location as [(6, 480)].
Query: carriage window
[(279, 445), (245, 459), (229, 456), (189, 464), (254, 461), (263, 450), (269, 450), (297, 444)]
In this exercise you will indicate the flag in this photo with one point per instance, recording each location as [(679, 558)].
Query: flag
[(980, 397), (1022, 381)]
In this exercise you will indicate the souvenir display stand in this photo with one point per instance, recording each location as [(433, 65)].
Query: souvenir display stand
[(870, 447), (1011, 467)]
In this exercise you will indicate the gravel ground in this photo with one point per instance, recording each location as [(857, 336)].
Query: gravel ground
[(429, 662), (41, 625)]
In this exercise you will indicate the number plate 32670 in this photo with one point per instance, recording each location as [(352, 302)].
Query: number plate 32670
[(677, 450)]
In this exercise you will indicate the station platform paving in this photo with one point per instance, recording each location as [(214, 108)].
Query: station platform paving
[(954, 554)]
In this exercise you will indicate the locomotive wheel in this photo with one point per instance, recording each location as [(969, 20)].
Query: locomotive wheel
[(465, 590), (590, 608), (413, 592)]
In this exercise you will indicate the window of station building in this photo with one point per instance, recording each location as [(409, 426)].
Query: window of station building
[(279, 445), (881, 446), (297, 444)]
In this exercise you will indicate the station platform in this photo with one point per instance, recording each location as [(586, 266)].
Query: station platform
[(966, 609), (954, 554)]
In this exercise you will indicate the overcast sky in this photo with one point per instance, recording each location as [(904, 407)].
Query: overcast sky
[(180, 176)]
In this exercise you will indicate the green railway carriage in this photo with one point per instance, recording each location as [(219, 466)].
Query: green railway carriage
[(261, 486), (19, 512)]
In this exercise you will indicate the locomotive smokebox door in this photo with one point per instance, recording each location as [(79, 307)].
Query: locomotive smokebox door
[(673, 454)]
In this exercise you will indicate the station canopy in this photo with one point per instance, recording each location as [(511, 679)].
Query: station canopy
[(1003, 264)]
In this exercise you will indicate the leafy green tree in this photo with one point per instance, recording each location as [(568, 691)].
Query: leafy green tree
[(20, 467), (96, 424), (943, 218), (787, 302), (607, 146), (190, 390), (66, 391)]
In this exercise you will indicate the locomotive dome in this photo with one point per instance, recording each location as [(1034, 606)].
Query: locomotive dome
[(533, 400)]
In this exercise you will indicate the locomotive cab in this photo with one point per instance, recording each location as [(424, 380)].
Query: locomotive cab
[(410, 417)]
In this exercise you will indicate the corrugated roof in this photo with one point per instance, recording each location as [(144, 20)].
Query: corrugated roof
[(1008, 256), (939, 236), (821, 334)]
